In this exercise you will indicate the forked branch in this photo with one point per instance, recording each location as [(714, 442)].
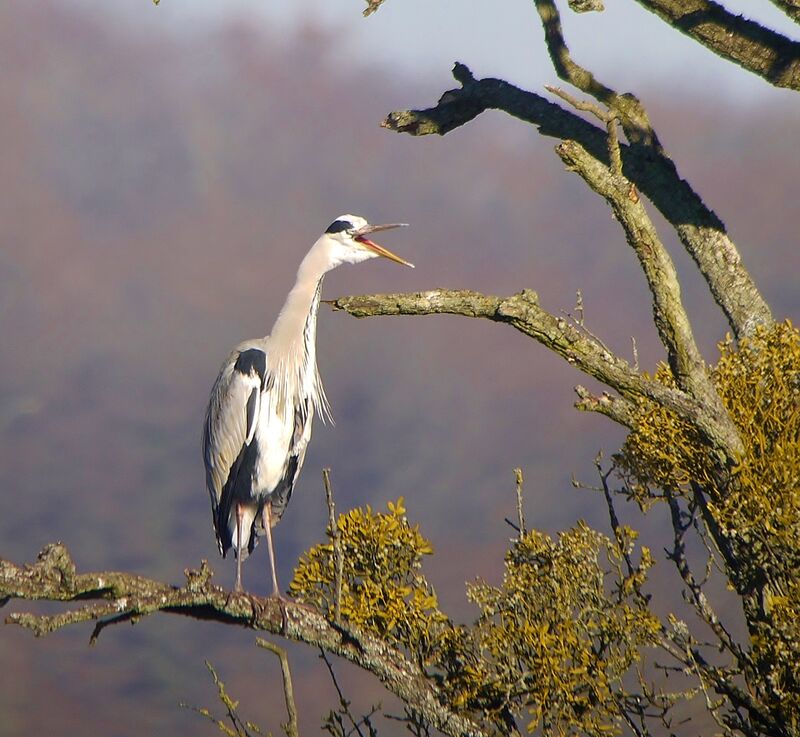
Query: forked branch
[(646, 165), (672, 322), (523, 312), (110, 597)]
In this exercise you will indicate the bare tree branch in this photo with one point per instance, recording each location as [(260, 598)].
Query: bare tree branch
[(125, 596), (694, 590), (790, 7), (520, 480), (617, 409), (336, 541), (522, 311), (290, 727), (640, 133), (672, 322), (700, 230), (610, 119), (753, 47), (630, 111)]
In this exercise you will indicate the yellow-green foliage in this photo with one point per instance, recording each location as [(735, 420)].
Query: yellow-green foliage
[(664, 451), (760, 387), (383, 590), (776, 650), (758, 509), (558, 637), (555, 640), (762, 512)]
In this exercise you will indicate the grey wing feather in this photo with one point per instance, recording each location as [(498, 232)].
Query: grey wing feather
[(303, 417), (230, 424)]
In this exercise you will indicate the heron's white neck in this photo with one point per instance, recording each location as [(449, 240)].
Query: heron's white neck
[(299, 313), (294, 334)]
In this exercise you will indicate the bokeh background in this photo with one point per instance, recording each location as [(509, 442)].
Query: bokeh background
[(163, 171)]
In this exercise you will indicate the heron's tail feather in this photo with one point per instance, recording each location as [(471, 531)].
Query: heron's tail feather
[(229, 533)]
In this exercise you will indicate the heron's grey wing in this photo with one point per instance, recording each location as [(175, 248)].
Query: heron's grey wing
[(303, 417), (231, 419)]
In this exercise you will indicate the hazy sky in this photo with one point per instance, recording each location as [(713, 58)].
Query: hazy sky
[(626, 46)]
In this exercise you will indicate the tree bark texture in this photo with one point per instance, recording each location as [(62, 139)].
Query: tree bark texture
[(753, 47), (701, 232), (523, 312), (111, 597)]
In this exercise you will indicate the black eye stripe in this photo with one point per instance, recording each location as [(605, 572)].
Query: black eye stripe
[(337, 226)]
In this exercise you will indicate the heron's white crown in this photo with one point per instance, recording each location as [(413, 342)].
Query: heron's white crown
[(344, 248), (345, 242)]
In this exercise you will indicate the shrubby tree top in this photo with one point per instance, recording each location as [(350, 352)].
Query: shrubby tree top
[(570, 642)]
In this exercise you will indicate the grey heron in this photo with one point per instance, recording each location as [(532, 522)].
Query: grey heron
[(258, 421)]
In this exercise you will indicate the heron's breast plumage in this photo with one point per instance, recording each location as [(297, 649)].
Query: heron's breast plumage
[(274, 440)]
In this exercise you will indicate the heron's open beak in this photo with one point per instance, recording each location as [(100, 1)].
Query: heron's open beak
[(361, 237)]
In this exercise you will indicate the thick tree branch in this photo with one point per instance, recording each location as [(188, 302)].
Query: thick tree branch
[(583, 351), (672, 322), (617, 409), (753, 47), (700, 230), (790, 7), (628, 109), (122, 596), (640, 133)]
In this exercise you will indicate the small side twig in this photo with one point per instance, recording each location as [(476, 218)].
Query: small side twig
[(578, 320), (612, 512), (289, 727), (609, 117), (519, 525), (415, 724), (618, 409), (238, 726), (336, 539), (344, 707), (520, 511)]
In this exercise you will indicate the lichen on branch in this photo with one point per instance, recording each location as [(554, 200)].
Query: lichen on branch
[(108, 598), (523, 312)]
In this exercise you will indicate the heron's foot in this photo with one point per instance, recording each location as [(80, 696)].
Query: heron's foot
[(258, 607), (282, 600)]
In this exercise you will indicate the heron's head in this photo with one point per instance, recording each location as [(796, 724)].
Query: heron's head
[(347, 241)]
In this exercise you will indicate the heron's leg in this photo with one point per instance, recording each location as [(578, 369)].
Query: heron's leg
[(239, 523), (267, 520)]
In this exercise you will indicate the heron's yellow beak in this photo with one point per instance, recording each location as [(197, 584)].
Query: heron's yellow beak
[(361, 237)]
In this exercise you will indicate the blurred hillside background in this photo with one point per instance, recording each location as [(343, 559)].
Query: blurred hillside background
[(159, 184)]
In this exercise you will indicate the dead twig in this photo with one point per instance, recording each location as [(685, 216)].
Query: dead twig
[(520, 512), (609, 118), (289, 727), (337, 718), (336, 540)]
